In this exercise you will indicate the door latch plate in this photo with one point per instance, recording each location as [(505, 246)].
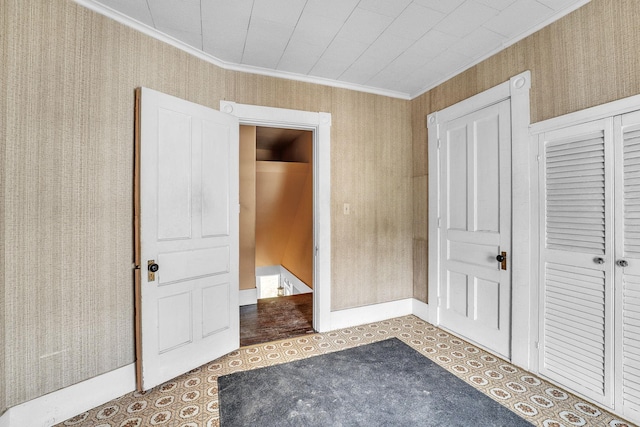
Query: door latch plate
[(151, 271)]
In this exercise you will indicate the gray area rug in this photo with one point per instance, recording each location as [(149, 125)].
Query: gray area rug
[(386, 383)]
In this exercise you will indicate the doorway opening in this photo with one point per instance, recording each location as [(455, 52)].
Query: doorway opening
[(276, 232), (319, 124)]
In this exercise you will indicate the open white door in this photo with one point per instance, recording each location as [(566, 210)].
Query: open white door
[(475, 189), (187, 207)]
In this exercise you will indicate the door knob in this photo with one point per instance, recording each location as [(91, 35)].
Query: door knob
[(622, 263), (153, 267), (598, 260), (500, 258)]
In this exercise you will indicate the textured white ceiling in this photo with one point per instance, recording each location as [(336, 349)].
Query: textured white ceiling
[(402, 47)]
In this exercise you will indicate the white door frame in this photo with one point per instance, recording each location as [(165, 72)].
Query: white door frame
[(523, 295), (320, 125)]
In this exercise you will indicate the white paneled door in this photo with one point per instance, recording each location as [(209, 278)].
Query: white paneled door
[(187, 206), (475, 223)]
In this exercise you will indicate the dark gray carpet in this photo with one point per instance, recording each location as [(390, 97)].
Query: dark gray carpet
[(381, 384)]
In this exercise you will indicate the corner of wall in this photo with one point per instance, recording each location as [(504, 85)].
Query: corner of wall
[(3, 180), (419, 111)]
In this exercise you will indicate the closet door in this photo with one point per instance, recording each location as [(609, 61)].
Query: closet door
[(576, 258), (627, 270)]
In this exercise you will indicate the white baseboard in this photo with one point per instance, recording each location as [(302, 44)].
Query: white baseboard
[(68, 402), (247, 297), (420, 309), (370, 313)]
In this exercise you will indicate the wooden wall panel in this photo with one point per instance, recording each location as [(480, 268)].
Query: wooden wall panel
[(247, 207), (587, 58)]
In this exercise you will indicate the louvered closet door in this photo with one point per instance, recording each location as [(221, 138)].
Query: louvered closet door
[(628, 249), (576, 258)]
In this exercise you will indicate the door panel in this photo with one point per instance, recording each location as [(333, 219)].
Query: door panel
[(185, 265), (215, 180), (174, 153), (576, 264), (487, 302), (174, 320), (628, 249), (216, 308), (476, 202), (189, 227)]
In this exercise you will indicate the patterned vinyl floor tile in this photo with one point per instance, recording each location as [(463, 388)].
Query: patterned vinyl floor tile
[(191, 400)]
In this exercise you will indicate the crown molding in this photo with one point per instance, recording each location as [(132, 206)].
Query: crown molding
[(152, 32)]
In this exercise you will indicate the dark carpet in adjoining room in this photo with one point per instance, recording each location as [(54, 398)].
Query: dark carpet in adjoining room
[(384, 383), (277, 318)]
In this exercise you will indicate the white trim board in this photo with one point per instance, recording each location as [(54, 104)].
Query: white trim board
[(70, 401), (420, 309), (320, 124), (370, 313), (247, 297), (613, 108)]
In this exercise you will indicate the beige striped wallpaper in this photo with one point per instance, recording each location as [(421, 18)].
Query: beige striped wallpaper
[(69, 76), (587, 58)]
